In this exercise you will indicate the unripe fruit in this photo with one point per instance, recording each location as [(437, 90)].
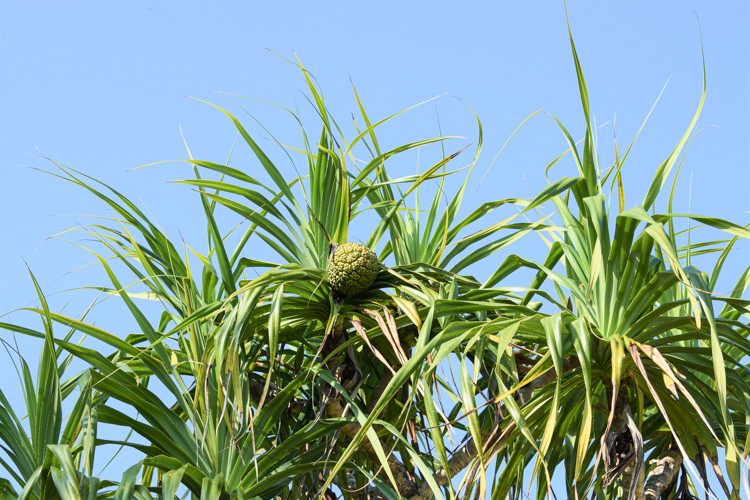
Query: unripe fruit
[(352, 268)]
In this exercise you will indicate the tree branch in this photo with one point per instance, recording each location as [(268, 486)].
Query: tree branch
[(256, 392), (334, 409), (463, 457), (663, 475), (405, 486)]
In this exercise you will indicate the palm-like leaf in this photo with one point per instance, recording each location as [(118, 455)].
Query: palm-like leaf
[(279, 387)]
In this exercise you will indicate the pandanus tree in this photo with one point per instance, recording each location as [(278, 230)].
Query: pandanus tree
[(660, 374), (323, 373)]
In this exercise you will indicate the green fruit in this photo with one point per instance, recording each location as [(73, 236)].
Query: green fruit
[(435, 287), (352, 268), (408, 333)]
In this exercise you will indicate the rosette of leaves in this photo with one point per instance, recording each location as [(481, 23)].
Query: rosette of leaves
[(651, 378)]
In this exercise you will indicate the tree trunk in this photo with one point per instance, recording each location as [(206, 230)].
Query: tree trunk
[(663, 475)]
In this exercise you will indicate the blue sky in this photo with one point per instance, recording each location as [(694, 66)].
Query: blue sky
[(101, 86)]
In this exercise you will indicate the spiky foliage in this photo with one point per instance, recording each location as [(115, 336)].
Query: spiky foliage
[(272, 387)]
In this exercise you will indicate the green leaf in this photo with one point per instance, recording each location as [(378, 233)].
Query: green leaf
[(48, 406), (127, 485)]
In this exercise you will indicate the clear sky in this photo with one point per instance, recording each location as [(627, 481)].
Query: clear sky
[(100, 86)]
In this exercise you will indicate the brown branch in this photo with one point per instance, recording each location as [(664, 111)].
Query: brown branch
[(663, 475), (378, 390), (463, 457), (627, 449), (256, 392), (627, 479), (369, 492), (524, 393), (405, 486), (334, 409)]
